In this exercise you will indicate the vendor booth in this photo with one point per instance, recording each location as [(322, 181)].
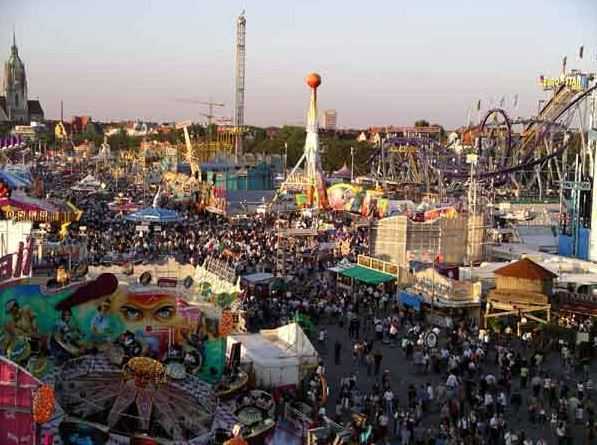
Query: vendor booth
[(278, 357), (258, 284), (369, 271), (450, 300)]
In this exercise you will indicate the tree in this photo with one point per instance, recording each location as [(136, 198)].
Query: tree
[(336, 151), (421, 123)]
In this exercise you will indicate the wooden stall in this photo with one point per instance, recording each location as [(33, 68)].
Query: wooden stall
[(523, 290)]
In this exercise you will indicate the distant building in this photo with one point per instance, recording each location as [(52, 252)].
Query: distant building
[(79, 124), (14, 105), (272, 132), (330, 120), (30, 132)]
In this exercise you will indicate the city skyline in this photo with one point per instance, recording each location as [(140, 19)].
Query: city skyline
[(387, 65)]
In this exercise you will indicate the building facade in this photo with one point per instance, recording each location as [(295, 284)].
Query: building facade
[(14, 104), (330, 120), (399, 239)]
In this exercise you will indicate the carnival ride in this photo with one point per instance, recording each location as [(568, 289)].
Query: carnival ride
[(529, 155), (138, 397), (256, 412), (309, 179)]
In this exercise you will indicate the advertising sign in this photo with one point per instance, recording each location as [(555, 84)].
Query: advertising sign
[(574, 81)]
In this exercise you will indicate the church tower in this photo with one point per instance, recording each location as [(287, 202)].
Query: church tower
[(15, 86)]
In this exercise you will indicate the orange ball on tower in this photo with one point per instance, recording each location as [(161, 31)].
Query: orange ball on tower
[(313, 80)]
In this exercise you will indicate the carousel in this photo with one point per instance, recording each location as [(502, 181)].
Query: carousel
[(142, 398)]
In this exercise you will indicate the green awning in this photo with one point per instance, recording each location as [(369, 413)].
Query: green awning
[(366, 275)]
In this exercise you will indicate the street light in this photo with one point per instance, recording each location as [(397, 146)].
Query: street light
[(285, 157), (351, 164)]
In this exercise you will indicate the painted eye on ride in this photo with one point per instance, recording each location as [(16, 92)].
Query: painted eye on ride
[(131, 313), (164, 313)]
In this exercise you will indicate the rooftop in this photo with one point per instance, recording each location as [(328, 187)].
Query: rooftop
[(526, 269)]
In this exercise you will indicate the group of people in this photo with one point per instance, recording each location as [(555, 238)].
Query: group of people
[(386, 381), (471, 387)]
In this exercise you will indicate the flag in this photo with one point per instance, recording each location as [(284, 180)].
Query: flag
[(564, 61), (479, 105), (581, 51), (515, 104), (502, 101)]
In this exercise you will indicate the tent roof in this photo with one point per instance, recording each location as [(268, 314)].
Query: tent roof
[(14, 180), (341, 267), (292, 338), (276, 348), (264, 352), (258, 277), (526, 269), (344, 172), (22, 201), (154, 214), (366, 275)]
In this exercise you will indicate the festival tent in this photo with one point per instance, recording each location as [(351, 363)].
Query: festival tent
[(343, 173), (41, 210), (20, 201), (294, 339), (257, 278), (88, 184), (367, 275), (277, 356), (154, 215), (15, 179)]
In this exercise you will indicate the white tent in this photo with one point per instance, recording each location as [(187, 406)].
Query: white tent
[(88, 184), (277, 355), (293, 339)]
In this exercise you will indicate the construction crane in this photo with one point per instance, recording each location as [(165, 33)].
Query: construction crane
[(210, 114)]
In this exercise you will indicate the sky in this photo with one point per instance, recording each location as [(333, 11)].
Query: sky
[(382, 62)]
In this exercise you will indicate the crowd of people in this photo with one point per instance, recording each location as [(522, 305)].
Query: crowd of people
[(387, 381), (473, 387)]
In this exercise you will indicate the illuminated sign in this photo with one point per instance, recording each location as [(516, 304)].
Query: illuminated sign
[(17, 265), (39, 216), (575, 82)]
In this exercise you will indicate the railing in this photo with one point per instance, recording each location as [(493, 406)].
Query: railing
[(565, 297), (377, 264)]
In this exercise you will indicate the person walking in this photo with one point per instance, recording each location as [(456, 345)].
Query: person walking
[(377, 358), (337, 352)]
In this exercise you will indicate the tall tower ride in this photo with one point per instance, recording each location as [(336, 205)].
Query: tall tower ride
[(239, 99), (310, 179)]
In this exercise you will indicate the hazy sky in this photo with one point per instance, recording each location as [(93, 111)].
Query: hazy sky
[(382, 61)]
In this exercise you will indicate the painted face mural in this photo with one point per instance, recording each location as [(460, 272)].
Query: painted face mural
[(139, 309), (70, 323)]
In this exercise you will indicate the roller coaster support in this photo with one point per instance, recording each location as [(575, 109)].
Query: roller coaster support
[(592, 147)]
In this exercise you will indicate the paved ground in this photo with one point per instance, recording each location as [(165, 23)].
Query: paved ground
[(403, 373)]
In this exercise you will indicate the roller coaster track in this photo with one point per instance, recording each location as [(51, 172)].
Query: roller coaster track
[(436, 159), (526, 163)]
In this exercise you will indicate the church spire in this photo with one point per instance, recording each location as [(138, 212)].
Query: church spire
[(14, 40)]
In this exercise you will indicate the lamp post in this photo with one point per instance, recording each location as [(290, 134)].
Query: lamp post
[(351, 164), (285, 157)]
